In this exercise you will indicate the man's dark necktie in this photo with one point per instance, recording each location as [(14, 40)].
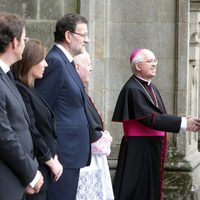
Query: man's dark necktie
[(11, 77), (73, 63)]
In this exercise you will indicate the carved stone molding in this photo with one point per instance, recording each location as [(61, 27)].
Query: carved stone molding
[(194, 4)]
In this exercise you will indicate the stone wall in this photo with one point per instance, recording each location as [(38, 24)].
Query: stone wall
[(40, 15), (115, 28), (164, 27)]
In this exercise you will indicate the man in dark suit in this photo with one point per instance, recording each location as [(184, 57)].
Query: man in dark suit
[(64, 92), (18, 167), (141, 110)]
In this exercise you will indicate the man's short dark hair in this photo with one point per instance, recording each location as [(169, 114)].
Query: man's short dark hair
[(67, 23), (11, 26)]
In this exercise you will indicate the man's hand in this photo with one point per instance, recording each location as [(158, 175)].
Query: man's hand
[(29, 190), (193, 124), (39, 184)]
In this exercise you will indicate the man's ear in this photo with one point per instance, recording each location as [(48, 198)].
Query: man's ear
[(14, 43), (68, 36), (137, 67)]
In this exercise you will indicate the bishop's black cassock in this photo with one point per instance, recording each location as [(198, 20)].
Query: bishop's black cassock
[(142, 152)]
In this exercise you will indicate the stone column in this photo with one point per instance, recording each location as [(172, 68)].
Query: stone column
[(97, 13), (182, 179)]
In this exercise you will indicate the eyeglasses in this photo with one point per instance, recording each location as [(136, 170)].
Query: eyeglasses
[(85, 35), (153, 61)]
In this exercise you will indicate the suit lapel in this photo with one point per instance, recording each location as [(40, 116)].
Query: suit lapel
[(74, 74), (71, 69), (76, 78), (14, 90)]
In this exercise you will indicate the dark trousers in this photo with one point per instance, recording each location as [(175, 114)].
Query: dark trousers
[(38, 196), (66, 187)]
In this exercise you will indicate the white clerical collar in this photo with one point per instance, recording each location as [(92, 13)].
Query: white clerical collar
[(148, 81), (4, 66), (67, 54)]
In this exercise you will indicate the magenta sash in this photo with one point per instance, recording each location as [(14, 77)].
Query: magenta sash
[(134, 128)]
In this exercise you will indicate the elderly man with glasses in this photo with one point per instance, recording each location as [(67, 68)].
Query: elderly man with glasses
[(145, 122)]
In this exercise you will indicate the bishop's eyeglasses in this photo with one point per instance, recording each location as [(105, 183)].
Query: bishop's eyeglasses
[(152, 61)]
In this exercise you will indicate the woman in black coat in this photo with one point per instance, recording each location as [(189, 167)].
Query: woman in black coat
[(25, 71)]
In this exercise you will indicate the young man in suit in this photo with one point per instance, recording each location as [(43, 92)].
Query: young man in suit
[(64, 92), (18, 166), (145, 122)]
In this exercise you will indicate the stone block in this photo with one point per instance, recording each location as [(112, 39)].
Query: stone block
[(182, 103), (120, 69), (25, 8), (177, 186), (182, 74), (139, 11), (50, 9), (167, 11), (166, 82), (112, 165), (146, 35), (168, 99), (115, 129), (41, 30), (114, 154), (183, 40), (71, 6), (183, 11)]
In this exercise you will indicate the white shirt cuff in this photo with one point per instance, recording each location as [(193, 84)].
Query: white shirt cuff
[(183, 123), (36, 179)]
